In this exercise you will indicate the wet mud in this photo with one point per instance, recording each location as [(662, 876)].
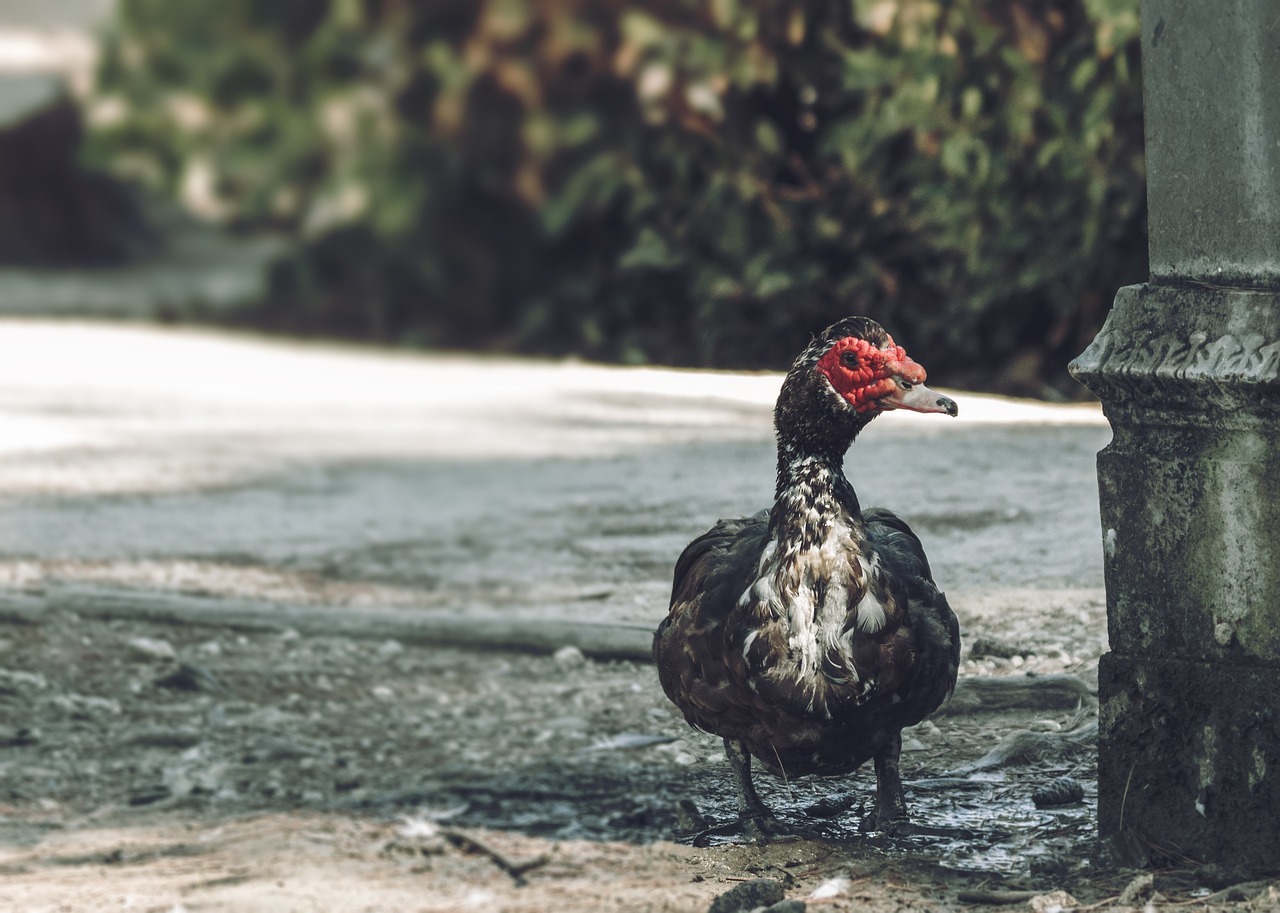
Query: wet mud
[(115, 718)]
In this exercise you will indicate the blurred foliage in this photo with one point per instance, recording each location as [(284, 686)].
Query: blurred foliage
[(700, 182)]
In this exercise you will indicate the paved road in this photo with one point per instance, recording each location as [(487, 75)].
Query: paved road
[(182, 460)]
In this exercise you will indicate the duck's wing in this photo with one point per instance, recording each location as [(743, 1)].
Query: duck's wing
[(934, 625), (690, 646), (896, 542), (727, 555)]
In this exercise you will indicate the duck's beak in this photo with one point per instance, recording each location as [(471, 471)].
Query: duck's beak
[(918, 398)]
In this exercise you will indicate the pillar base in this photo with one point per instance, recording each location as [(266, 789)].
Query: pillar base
[(1189, 739), (1189, 760)]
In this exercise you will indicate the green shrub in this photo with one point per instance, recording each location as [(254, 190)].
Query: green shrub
[(700, 182)]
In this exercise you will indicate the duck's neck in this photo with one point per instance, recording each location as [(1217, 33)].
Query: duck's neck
[(802, 465), (812, 492), (813, 436)]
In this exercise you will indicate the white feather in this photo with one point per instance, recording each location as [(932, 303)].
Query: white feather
[(871, 614), (832, 887)]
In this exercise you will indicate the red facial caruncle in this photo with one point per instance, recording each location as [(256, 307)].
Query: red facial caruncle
[(864, 375)]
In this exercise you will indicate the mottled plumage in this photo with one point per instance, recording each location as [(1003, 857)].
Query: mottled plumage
[(809, 635)]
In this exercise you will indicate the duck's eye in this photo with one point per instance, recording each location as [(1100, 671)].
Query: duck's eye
[(849, 359), (905, 384)]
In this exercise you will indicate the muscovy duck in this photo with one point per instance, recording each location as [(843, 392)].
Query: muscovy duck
[(808, 636)]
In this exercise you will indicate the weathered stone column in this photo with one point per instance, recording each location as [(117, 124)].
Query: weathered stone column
[(1188, 371)]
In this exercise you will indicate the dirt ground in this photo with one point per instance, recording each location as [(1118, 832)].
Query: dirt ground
[(206, 766), (278, 772), (167, 768)]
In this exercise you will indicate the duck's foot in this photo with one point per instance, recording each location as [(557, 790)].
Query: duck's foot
[(890, 825), (759, 827)]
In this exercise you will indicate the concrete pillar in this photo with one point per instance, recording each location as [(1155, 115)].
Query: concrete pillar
[(1188, 370)]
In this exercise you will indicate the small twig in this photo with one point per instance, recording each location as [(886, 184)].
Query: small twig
[(786, 781), (515, 869), (1124, 798)]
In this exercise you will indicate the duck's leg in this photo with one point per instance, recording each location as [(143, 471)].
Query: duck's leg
[(754, 818), (891, 805)]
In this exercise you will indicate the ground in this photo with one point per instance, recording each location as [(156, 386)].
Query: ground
[(222, 560)]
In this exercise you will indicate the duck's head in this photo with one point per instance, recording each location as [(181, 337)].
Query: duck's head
[(850, 373)]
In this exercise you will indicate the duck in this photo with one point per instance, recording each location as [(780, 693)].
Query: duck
[(809, 635)]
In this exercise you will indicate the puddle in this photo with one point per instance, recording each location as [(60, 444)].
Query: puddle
[(1000, 829), (977, 825)]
